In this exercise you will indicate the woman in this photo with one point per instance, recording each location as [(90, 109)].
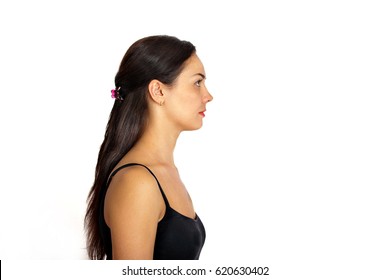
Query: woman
[(138, 206)]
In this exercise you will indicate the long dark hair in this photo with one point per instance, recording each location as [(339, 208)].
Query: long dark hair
[(155, 57)]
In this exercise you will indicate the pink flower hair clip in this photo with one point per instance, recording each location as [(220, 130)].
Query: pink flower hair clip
[(116, 95)]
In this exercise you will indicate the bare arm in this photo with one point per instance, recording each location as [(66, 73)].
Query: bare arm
[(133, 207)]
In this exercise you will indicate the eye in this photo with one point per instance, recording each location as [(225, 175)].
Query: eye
[(197, 83)]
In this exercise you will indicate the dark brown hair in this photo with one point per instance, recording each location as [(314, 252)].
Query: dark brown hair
[(155, 57)]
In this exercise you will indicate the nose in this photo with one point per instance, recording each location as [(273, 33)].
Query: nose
[(208, 97)]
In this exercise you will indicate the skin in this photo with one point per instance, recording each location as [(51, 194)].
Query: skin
[(134, 204)]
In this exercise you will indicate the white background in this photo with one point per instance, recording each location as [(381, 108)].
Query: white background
[(291, 167)]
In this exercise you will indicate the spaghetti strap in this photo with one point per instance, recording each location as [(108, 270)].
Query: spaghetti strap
[(147, 168)]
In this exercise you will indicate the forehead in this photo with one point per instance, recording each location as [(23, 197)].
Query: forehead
[(193, 66)]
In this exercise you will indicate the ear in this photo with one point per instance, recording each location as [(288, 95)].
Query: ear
[(155, 91)]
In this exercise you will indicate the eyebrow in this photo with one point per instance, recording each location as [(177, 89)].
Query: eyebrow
[(200, 74)]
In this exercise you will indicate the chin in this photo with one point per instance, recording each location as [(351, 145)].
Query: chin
[(193, 127)]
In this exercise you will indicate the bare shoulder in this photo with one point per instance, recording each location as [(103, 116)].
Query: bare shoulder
[(132, 209), (133, 189)]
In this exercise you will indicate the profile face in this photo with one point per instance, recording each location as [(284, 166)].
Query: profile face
[(188, 96)]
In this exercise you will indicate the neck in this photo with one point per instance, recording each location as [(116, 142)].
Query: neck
[(157, 144)]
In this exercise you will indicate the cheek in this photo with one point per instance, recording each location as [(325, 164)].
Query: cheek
[(185, 108), (184, 111), (188, 99)]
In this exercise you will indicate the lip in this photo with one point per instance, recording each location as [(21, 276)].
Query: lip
[(202, 113)]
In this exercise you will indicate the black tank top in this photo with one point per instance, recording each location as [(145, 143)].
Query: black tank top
[(178, 237)]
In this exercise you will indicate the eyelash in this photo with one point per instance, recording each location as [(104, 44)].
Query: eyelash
[(197, 83)]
